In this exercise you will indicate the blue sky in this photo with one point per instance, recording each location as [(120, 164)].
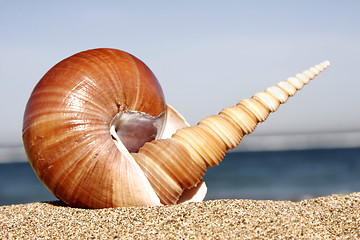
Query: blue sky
[(207, 55)]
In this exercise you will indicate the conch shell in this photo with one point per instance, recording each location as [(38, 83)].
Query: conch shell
[(98, 133)]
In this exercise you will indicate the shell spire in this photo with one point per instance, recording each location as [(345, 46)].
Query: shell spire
[(183, 159)]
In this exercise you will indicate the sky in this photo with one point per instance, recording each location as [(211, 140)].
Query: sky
[(207, 55)]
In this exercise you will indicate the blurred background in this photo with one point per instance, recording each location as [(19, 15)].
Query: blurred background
[(207, 55)]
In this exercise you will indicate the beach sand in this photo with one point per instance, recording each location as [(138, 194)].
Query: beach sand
[(332, 217)]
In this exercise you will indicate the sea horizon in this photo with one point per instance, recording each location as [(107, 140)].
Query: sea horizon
[(15, 152), (259, 175)]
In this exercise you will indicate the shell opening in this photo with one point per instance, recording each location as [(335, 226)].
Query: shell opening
[(134, 128)]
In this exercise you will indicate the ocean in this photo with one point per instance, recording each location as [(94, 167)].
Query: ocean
[(268, 175)]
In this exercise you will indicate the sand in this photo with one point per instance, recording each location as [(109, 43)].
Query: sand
[(332, 217)]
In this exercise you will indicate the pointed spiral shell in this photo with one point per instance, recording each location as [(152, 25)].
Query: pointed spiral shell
[(98, 133), (207, 143)]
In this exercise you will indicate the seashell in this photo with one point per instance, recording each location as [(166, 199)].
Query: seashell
[(98, 133)]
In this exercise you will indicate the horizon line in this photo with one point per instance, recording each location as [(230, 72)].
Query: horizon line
[(255, 134)]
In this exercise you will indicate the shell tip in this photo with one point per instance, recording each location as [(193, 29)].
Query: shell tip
[(327, 63)]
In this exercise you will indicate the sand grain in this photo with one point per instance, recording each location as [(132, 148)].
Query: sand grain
[(336, 216)]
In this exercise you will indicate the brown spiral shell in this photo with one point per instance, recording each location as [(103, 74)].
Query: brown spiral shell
[(66, 127)]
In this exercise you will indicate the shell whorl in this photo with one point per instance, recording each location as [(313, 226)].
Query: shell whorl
[(184, 158), (66, 128)]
